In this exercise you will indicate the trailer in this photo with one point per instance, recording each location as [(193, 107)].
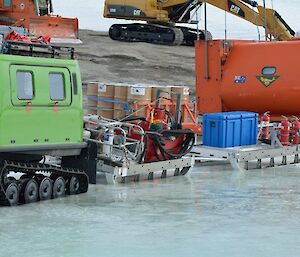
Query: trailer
[(128, 152), (266, 153)]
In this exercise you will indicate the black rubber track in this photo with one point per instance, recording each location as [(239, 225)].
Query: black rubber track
[(31, 169), (162, 34)]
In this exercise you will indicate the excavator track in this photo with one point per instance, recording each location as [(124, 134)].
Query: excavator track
[(155, 34), (149, 33), (190, 35), (34, 185)]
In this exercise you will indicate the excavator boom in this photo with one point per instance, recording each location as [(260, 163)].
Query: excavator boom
[(274, 24), (168, 12)]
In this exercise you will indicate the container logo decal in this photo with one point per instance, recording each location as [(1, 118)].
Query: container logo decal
[(240, 79), (267, 80)]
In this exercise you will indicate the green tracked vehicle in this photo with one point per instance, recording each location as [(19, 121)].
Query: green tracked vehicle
[(41, 114)]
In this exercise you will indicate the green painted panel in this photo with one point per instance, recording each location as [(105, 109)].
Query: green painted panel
[(43, 121)]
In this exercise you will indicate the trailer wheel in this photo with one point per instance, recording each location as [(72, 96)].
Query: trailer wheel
[(59, 187), (12, 194), (31, 191), (45, 190)]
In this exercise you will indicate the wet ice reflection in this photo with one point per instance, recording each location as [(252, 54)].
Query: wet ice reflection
[(213, 212)]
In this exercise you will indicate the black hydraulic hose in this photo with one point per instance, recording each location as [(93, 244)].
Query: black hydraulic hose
[(186, 145), (145, 149), (181, 10), (189, 141), (292, 32), (157, 142), (172, 119), (169, 153), (132, 118), (157, 156)]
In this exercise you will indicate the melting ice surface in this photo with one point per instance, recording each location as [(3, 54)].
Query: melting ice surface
[(211, 212)]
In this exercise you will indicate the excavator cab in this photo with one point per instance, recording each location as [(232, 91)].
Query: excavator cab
[(36, 16)]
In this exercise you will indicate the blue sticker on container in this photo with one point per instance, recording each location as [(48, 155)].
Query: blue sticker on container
[(239, 79)]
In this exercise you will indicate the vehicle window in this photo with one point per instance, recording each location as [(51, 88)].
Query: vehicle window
[(24, 85), (57, 86), (268, 70)]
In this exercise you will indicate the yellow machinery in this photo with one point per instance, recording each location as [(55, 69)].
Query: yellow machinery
[(161, 16)]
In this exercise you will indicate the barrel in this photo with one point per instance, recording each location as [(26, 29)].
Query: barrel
[(105, 100), (139, 97), (120, 97), (92, 95)]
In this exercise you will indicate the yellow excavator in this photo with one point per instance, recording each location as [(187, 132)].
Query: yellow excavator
[(162, 15)]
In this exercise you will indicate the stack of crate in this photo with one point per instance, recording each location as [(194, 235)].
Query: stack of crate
[(116, 100)]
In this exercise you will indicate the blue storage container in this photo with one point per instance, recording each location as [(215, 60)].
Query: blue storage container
[(229, 129)]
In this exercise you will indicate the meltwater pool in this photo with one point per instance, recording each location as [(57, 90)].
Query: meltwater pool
[(211, 212)]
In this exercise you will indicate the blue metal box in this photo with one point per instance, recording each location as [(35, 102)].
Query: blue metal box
[(229, 129)]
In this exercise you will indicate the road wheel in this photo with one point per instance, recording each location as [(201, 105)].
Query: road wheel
[(59, 187), (74, 186), (12, 194), (45, 190), (31, 191)]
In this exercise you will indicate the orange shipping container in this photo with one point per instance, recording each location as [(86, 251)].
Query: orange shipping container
[(248, 76)]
